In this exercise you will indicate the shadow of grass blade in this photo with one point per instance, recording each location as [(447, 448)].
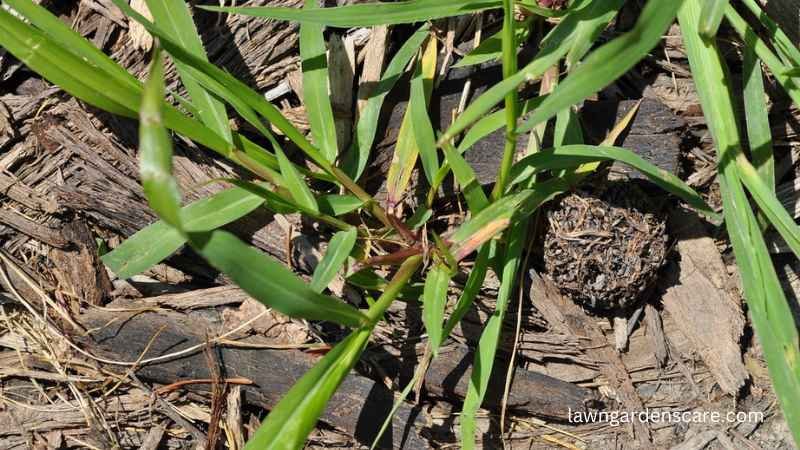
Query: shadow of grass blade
[(356, 158), (155, 149), (367, 14), (174, 17), (608, 62), (288, 424), (269, 281), (490, 337), (555, 45), (316, 97), (336, 255), (152, 244), (769, 309)]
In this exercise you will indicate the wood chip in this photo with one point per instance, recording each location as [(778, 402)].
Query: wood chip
[(702, 304), (564, 315)]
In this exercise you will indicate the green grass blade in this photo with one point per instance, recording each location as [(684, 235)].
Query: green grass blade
[(756, 116), (367, 14), (337, 205), (294, 183), (490, 337), (421, 89), (472, 189), (766, 200), (152, 244), (713, 11), (779, 70), (155, 149), (336, 255), (501, 214), (570, 156), (493, 122), (769, 309), (316, 97), (288, 424), (434, 302), (269, 281), (587, 32), (59, 66), (59, 32), (554, 47), (236, 87), (407, 150), (608, 62), (358, 155), (491, 48), (174, 17), (783, 43)]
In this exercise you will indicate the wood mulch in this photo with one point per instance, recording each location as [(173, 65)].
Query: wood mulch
[(91, 361)]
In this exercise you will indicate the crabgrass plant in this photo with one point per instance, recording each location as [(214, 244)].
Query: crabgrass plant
[(496, 230)]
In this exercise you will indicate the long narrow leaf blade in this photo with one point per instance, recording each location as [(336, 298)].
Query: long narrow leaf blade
[(155, 150), (434, 302), (269, 281), (367, 14), (336, 255), (316, 86), (174, 17)]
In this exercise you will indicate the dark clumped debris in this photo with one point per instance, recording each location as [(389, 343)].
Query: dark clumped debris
[(604, 246)]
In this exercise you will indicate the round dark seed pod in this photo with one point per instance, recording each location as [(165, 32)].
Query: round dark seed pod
[(604, 248)]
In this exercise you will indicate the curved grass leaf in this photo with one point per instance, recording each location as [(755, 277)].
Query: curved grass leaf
[(367, 14), (586, 34), (338, 250), (608, 62), (768, 306), (756, 115), (465, 175), (501, 214), (288, 424), (555, 45), (155, 149), (152, 244), (61, 67), (785, 46), (72, 41), (570, 156), (483, 363), (174, 17), (434, 301), (295, 184), (367, 126), (779, 70), (316, 97), (713, 11), (407, 149), (269, 281), (491, 48), (494, 122), (337, 205)]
